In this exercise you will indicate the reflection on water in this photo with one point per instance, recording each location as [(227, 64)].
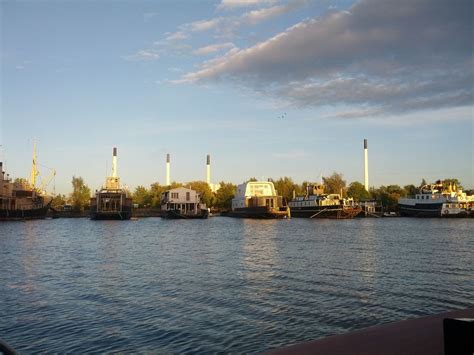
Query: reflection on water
[(223, 284)]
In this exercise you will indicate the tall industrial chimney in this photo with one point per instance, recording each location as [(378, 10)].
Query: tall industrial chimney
[(168, 182), (366, 166), (208, 170), (114, 163)]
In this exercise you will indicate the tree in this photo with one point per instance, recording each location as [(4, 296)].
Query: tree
[(203, 188), (81, 194), (224, 195), (334, 183), (411, 190), (58, 201), (155, 194), (285, 187), (357, 191), (141, 196)]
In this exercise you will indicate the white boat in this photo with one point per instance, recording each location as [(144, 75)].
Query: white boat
[(258, 199), (436, 201)]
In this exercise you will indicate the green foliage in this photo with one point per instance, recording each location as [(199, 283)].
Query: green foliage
[(334, 183), (357, 191), (203, 188), (58, 201), (224, 196), (285, 187), (80, 195), (388, 195), (253, 179), (411, 190), (155, 194), (142, 196)]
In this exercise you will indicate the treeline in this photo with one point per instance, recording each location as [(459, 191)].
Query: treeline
[(222, 199)]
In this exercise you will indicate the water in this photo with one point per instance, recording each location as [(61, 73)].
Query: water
[(223, 284)]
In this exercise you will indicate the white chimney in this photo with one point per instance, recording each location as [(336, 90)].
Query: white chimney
[(208, 170), (168, 182), (366, 166), (114, 163)]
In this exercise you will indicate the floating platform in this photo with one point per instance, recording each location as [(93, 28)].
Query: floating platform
[(429, 335)]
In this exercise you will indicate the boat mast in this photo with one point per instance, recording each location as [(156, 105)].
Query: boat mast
[(34, 168)]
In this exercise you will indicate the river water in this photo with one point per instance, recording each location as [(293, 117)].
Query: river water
[(223, 284)]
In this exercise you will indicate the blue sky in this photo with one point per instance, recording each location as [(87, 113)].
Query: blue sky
[(214, 77)]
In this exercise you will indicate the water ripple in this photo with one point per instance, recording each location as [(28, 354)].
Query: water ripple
[(222, 285)]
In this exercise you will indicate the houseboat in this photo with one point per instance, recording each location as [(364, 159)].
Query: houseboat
[(111, 201), (258, 199), (21, 199), (183, 203), (435, 200), (317, 204)]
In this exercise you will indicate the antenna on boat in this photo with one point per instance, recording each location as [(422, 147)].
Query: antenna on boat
[(34, 167)]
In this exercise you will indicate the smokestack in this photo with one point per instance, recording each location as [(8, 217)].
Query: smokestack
[(366, 166), (168, 182), (208, 170), (114, 163)]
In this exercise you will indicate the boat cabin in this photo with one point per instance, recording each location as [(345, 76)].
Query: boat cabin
[(256, 194), (182, 199)]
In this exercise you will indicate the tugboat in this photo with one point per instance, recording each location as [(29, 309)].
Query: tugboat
[(183, 203), (112, 201), (21, 199), (434, 200), (317, 204), (258, 199)]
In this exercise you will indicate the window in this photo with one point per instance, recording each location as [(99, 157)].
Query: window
[(188, 196)]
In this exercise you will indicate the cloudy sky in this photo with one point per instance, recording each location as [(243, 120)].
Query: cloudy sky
[(269, 88)]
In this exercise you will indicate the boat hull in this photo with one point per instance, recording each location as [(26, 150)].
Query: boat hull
[(122, 215), (262, 212), (175, 214), (332, 212), (431, 210), (20, 215)]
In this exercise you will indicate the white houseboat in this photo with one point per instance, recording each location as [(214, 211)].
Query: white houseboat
[(258, 199), (183, 203)]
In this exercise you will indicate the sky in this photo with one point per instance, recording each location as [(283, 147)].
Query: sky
[(268, 88)]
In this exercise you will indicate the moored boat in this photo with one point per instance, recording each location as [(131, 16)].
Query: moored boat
[(183, 203), (435, 200), (317, 204), (111, 201), (21, 199), (258, 199)]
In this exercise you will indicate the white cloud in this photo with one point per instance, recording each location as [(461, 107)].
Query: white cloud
[(144, 55), (233, 4), (177, 36), (381, 56), (213, 48)]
